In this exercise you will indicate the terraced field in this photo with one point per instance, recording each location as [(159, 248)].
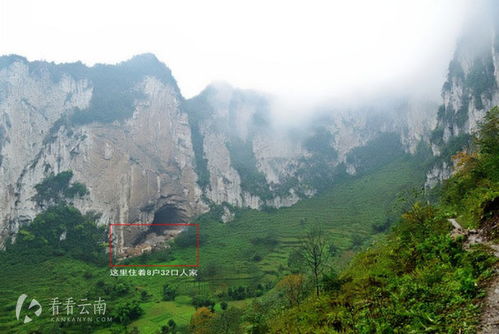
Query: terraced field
[(347, 212), (253, 249)]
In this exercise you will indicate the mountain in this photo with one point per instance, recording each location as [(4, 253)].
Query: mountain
[(320, 225), (120, 129), (470, 90), (145, 153)]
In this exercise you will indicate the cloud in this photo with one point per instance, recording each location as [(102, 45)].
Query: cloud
[(301, 50)]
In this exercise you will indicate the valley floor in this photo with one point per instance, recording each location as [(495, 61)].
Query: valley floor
[(251, 251)]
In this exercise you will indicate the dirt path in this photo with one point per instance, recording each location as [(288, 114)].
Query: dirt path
[(455, 224), (489, 321)]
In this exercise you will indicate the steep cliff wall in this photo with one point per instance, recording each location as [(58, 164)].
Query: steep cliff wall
[(470, 90), (146, 154), (133, 166), (244, 158)]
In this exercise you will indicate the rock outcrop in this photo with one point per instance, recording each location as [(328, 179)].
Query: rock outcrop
[(245, 159), (132, 167), (148, 155), (470, 90)]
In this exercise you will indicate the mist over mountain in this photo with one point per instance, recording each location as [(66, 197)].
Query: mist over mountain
[(225, 142), (231, 146), (344, 165)]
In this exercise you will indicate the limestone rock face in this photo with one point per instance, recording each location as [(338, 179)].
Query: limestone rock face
[(148, 155), (132, 168), (470, 90), (166, 153), (248, 160)]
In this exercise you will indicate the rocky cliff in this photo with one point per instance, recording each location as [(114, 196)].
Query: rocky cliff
[(470, 90), (148, 155), (244, 159), (134, 162)]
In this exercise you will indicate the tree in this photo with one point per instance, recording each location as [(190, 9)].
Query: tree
[(169, 293), (295, 261), (172, 324), (144, 296), (200, 321), (61, 230), (169, 328), (315, 252), (134, 330), (293, 287), (357, 241), (227, 322), (127, 312), (488, 141), (331, 281), (203, 301), (55, 189)]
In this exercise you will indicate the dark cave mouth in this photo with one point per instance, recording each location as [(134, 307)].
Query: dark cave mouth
[(167, 214), (162, 227)]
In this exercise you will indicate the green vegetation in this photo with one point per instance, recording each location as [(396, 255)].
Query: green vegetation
[(169, 293), (241, 151), (198, 108), (377, 153), (476, 180), (244, 162), (128, 311), (57, 188), (58, 255), (115, 91), (320, 144), (479, 83), (241, 261), (481, 80), (455, 144), (257, 244), (201, 163), (418, 279), (315, 252), (60, 230), (317, 171), (114, 86), (254, 275), (452, 118), (6, 61)]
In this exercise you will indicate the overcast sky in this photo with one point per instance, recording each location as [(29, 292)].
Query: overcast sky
[(292, 48)]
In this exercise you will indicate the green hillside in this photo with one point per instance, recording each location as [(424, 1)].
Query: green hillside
[(250, 253), (419, 278)]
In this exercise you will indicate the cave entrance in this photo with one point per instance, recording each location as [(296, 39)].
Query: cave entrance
[(155, 235), (167, 214)]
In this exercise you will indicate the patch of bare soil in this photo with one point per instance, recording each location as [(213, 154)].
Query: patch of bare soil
[(486, 235)]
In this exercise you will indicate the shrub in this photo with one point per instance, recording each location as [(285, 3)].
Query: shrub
[(203, 301), (169, 293), (127, 312), (54, 189), (62, 230)]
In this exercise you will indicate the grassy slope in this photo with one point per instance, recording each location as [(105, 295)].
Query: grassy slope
[(419, 279), (58, 277), (351, 208)]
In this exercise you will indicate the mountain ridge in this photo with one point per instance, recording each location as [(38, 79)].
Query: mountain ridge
[(126, 131)]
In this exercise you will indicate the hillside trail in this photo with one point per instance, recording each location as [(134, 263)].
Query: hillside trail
[(489, 321)]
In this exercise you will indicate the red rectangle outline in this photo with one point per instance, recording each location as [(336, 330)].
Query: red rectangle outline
[(152, 265)]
